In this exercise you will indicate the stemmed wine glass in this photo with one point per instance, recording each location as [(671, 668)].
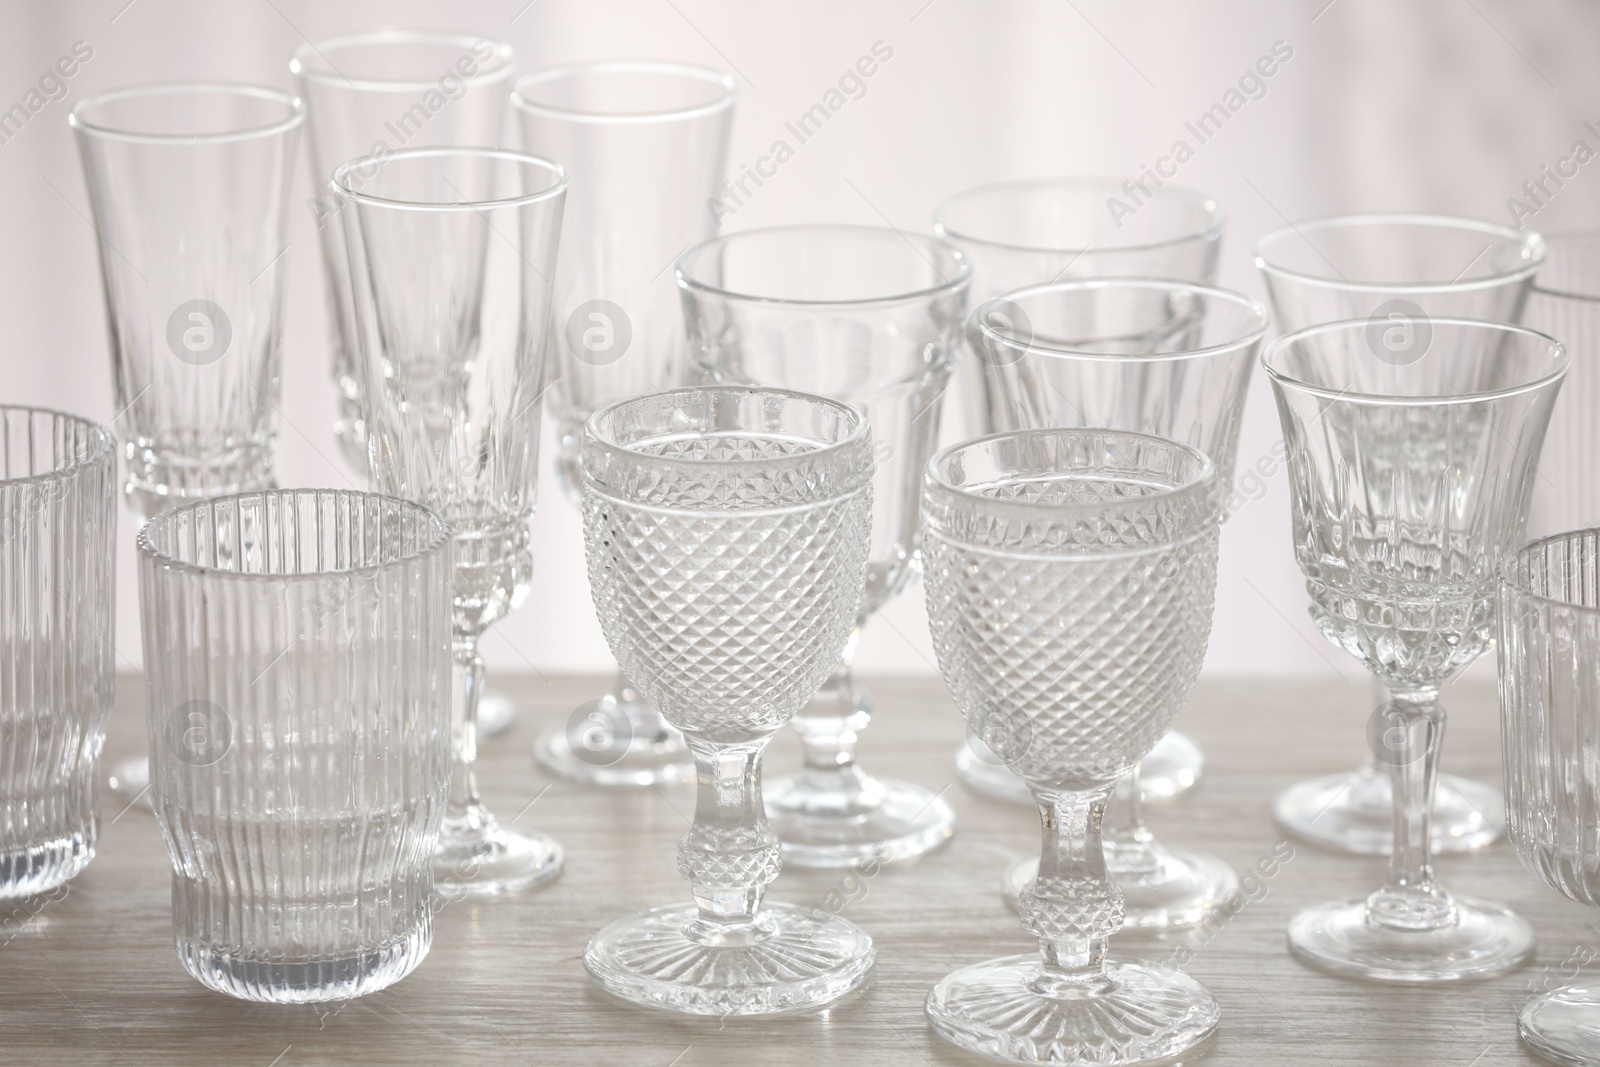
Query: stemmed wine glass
[(1410, 475), (1036, 231), (1398, 272), (1162, 357), (727, 531), (451, 252), (1070, 577), (646, 144), (870, 317)]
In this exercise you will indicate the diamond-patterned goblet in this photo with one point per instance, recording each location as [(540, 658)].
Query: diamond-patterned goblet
[(726, 531), (1071, 576)]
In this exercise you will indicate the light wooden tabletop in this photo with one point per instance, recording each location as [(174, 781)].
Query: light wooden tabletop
[(91, 977)]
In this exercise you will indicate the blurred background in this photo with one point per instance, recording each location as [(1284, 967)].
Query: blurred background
[(1443, 106)]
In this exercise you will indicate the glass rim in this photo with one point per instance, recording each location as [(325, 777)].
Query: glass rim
[(76, 118), (1283, 378), (1510, 565), (960, 281), (1565, 237), (440, 537), (1443, 222), (301, 67), (730, 92), (1202, 481), (105, 444), (1216, 217), (557, 187), (1250, 305)]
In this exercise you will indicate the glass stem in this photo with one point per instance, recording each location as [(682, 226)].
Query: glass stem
[(1414, 726), (468, 677), (1073, 907), (730, 855), (830, 722), (1130, 843), (649, 725)]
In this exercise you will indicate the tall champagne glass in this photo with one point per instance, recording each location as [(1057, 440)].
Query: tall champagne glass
[(1565, 303)]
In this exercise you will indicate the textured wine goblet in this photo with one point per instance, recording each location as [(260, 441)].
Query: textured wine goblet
[(646, 144), (1070, 578), (1397, 271), (1036, 231), (870, 317), (1549, 654), (726, 531), (1409, 477), (451, 251)]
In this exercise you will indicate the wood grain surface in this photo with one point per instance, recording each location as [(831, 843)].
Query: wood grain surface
[(91, 978)]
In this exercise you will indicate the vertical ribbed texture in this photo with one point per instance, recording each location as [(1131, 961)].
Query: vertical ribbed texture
[(57, 531), (1566, 305), (297, 646)]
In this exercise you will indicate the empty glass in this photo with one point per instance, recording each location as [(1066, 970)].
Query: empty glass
[(58, 523), (1070, 578), (1549, 692), (1161, 357), (297, 655), (727, 531), (451, 254), (646, 144), (1398, 273), (870, 317), (1036, 231), (1410, 476), (1565, 303)]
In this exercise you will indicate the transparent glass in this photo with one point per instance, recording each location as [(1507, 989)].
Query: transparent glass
[(370, 94), (1409, 482), (1162, 357), (451, 254), (1565, 303), (647, 144), (58, 523), (1397, 273), (1032, 232), (1071, 576), (297, 654), (870, 317), (1549, 654), (727, 534)]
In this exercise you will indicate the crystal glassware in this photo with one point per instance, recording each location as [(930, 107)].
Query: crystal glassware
[(189, 188), (1397, 272), (451, 253), (1549, 649), (1565, 303), (297, 658), (869, 317), (1162, 357), (1070, 579), (58, 522), (1020, 234), (727, 533), (646, 145), (1409, 477)]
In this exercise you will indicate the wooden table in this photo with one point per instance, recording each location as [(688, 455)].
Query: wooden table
[(91, 978)]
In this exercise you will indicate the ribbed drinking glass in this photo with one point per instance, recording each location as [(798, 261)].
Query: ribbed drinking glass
[(1565, 303), (451, 254), (297, 655), (58, 523), (1071, 576), (727, 534), (646, 145), (870, 317), (1409, 476), (1398, 273), (1032, 232)]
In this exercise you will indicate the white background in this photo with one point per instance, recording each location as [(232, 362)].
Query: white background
[(1441, 106)]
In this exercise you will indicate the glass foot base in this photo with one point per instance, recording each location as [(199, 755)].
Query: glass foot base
[(1354, 813), (1485, 940), (1176, 892), (1148, 1014), (496, 712), (822, 825), (309, 981), (785, 961), (130, 780), (1172, 768), (1563, 1026), (639, 765), (474, 859)]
